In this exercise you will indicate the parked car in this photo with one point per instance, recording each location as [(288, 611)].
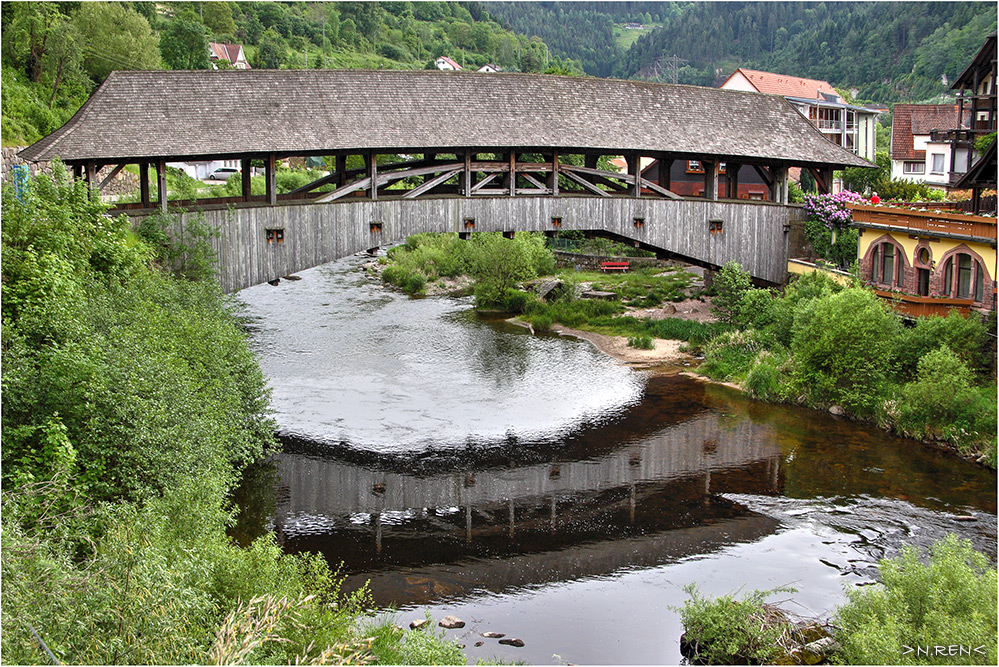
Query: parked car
[(223, 173)]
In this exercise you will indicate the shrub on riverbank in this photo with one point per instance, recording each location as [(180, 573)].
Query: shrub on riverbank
[(822, 344), (917, 607), (131, 402), (940, 612)]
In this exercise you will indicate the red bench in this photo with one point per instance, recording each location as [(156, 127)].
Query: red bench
[(613, 266)]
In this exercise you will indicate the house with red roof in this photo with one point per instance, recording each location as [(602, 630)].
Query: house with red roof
[(846, 125), (230, 53), (918, 152), (445, 63)]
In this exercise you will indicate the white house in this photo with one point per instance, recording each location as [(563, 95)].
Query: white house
[(852, 127), (916, 155), (230, 53), (489, 67), (445, 63)]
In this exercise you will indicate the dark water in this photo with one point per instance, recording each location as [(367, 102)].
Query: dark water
[(532, 486)]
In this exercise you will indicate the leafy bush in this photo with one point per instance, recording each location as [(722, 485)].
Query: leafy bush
[(727, 631), (730, 356), (843, 345), (730, 283), (642, 342), (771, 377), (951, 601), (965, 336)]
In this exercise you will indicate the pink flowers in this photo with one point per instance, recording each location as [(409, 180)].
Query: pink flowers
[(831, 209)]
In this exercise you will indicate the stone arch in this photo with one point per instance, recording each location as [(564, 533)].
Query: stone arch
[(940, 277), (872, 273)]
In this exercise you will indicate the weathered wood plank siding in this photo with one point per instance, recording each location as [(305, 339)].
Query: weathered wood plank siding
[(752, 233)]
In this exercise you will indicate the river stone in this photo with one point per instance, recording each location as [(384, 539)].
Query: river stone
[(512, 642), (837, 410), (597, 294), (493, 635), (451, 622), (418, 623)]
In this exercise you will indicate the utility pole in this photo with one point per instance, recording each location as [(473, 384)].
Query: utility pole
[(324, 43)]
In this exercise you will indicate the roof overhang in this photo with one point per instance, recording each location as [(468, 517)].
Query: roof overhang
[(172, 115)]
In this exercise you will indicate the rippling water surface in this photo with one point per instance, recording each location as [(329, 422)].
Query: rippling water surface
[(532, 486)]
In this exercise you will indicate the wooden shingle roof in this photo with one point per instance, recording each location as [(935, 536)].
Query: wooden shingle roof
[(909, 120), (175, 114)]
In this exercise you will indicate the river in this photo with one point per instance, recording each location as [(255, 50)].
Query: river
[(532, 486)]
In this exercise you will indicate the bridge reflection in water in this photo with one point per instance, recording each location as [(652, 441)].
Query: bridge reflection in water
[(585, 508)]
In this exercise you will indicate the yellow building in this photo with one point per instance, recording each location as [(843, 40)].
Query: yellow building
[(927, 262)]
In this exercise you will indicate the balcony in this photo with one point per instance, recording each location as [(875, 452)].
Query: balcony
[(927, 223)]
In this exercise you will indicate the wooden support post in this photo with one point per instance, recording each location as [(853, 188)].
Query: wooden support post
[(553, 175), (161, 187), (778, 184), (428, 158), (590, 160), (823, 179), (710, 180), (513, 173), (732, 180), (371, 163), (271, 176), (341, 170), (468, 174), (78, 171), (634, 162), (91, 176), (245, 173), (144, 184)]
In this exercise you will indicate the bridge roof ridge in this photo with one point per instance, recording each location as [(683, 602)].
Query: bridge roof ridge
[(177, 114)]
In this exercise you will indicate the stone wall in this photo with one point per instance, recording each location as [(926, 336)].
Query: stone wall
[(124, 182)]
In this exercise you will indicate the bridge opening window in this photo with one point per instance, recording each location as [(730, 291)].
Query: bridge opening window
[(715, 226), (639, 222), (376, 227), (556, 222), (275, 236), (469, 223)]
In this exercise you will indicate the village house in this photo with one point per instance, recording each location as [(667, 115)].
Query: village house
[(850, 126), (229, 53), (445, 63), (920, 149)]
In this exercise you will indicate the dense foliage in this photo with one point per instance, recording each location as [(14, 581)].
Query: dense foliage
[(823, 344), (917, 607), (131, 402)]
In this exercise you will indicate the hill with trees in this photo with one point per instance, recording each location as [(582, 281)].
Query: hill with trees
[(56, 53), (881, 51)]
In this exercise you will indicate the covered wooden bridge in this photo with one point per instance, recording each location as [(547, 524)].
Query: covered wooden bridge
[(420, 135)]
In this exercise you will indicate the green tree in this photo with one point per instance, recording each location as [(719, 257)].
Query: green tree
[(117, 37), (184, 43), (843, 345), (730, 284), (271, 52), (218, 19)]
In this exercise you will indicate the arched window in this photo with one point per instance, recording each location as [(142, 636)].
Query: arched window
[(948, 275), (963, 276), (875, 266)]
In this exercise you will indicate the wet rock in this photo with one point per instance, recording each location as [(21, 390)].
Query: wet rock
[(477, 644), (418, 623), (293, 277), (493, 635), (965, 517), (451, 623), (512, 642), (547, 287), (276, 281), (817, 652), (837, 410)]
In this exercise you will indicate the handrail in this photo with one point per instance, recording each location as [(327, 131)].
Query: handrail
[(940, 222)]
